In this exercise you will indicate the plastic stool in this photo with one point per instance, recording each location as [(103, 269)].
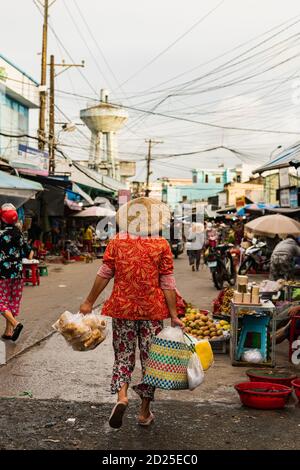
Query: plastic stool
[(31, 274), (43, 270), (294, 332), (253, 325)]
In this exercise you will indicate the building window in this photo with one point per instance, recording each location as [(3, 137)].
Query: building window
[(195, 178), (206, 178), (238, 178), (218, 179)]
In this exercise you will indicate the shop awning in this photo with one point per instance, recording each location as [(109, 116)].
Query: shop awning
[(83, 194), (226, 210), (283, 160), (17, 190), (88, 180), (108, 183), (285, 211)]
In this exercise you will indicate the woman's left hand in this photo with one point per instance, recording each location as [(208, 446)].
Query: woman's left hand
[(86, 308), (177, 322)]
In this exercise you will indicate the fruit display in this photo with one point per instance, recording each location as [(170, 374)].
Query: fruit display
[(199, 324), (221, 305)]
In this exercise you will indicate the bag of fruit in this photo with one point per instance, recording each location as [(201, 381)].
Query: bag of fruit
[(82, 332)]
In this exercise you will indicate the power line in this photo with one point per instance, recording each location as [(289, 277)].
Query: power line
[(203, 123), (84, 41), (174, 42), (67, 52)]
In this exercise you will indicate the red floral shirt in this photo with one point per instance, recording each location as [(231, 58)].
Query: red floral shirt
[(137, 264)]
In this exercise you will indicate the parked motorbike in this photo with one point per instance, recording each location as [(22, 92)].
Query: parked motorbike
[(256, 258), (176, 242), (177, 247), (221, 264)]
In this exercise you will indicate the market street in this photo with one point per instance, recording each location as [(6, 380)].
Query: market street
[(75, 382)]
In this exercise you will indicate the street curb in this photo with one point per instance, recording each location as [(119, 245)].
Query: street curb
[(38, 342)]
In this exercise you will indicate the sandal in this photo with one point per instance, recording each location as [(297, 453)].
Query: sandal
[(6, 337), (148, 421), (17, 332), (116, 417)]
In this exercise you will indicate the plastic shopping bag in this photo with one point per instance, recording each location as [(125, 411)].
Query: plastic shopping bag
[(195, 372), (82, 332), (168, 360), (204, 351)]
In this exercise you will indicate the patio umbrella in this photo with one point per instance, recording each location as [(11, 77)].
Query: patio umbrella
[(272, 225), (96, 211)]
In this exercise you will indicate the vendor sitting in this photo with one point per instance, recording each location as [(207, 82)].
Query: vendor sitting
[(284, 332)]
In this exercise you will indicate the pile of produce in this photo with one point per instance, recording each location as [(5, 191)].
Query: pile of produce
[(221, 305), (201, 326)]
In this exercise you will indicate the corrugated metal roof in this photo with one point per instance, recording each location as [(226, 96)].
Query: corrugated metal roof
[(15, 182), (110, 183), (282, 160)]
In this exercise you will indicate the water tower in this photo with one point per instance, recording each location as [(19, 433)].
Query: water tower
[(103, 120)]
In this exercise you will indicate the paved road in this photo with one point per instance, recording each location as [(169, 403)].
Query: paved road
[(64, 383), (41, 424), (66, 287)]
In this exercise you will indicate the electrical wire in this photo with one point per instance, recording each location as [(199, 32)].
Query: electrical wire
[(174, 42)]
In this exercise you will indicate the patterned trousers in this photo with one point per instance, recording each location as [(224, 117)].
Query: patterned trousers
[(126, 335), (11, 295)]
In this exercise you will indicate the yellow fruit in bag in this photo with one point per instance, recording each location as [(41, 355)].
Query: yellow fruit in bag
[(205, 353)]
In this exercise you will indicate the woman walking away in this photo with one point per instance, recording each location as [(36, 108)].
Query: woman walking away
[(143, 296), (12, 249), (195, 243)]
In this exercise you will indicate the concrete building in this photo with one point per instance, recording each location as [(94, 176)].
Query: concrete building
[(205, 184), (18, 94)]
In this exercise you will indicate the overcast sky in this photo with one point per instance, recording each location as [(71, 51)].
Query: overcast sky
[(137, 48)]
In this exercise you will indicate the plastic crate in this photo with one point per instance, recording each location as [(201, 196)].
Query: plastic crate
[(219, 346)]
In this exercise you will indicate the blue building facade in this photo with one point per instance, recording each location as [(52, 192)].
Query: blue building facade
[(18, 94), (205, 183)]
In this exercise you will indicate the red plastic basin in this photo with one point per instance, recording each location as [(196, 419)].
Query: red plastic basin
[(263, 395), (276, 376), (296, 385)]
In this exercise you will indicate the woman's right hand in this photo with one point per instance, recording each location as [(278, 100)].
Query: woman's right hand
[(86, 307), (176, 322)]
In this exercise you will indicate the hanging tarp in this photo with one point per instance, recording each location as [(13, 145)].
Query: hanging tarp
[(17, 190)]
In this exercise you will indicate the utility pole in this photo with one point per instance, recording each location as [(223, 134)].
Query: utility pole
[(150, 143), (51, 118), (43, 92), (52, 108)]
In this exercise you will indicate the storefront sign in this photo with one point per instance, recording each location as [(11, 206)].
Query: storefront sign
[(240, 202), (127, 168), (3, 74), (31, 161), (284, 177), (285, 198), (294, 197), (124, 196)]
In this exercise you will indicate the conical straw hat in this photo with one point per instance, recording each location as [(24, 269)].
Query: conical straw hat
[(143, 216)]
